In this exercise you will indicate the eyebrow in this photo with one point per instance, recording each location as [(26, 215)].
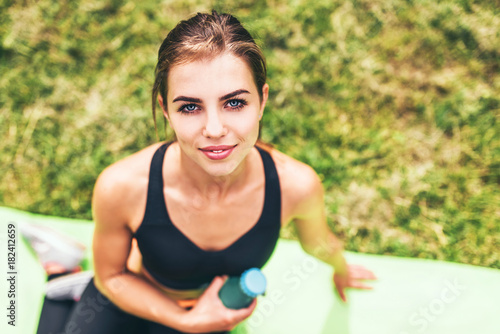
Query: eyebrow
[(222, 98), (233, 94)]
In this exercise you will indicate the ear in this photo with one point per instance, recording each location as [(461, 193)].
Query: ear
[(265, 95), (163, 107)]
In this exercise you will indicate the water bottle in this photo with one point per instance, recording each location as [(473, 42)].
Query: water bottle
[(239, 291)]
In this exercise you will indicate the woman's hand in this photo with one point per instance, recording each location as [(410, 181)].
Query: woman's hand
[(210, 315), (352, 278)]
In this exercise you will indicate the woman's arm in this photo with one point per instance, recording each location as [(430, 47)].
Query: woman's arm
[(111, 248), (113, 204), (316, 238)]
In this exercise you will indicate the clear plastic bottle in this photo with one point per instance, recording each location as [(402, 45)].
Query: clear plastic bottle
[(238, 292)]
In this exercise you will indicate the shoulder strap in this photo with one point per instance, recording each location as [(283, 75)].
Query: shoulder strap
[(272, 204), (155, 204)]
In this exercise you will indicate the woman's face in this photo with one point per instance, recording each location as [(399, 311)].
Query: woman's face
[(214, 108)]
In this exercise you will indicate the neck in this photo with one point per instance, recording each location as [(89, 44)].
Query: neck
[(208, 186)]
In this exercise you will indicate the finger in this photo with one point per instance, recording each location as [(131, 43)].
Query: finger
[(359, 272), (362, 275), (249, 309), (360, 285), (215, 285), (342, 294), (355, 267), (241, 314)]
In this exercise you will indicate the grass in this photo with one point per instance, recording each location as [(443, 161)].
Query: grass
[(394, 103)]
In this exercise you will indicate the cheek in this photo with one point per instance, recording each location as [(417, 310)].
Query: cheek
[(185, 128), (245, 125), (250, 128), (247, 133)]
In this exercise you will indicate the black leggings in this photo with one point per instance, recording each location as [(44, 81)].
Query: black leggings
[(93, 314)]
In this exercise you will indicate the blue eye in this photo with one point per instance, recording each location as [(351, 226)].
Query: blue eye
[(188, 108), (236, 104)]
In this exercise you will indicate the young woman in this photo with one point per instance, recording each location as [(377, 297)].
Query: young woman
[(173, 220)]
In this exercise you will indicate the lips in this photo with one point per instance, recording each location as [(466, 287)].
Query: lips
[(218, 152)]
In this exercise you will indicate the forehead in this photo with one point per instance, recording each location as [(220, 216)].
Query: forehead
[(216, 76)]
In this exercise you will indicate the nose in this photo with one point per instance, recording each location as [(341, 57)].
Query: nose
[(214, 127)]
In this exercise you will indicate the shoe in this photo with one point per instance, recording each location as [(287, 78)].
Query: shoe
[(68, 287), (53, 247)]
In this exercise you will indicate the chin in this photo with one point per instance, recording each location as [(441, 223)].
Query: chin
[(224, 169)]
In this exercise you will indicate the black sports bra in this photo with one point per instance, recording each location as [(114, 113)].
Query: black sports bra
[(176, 262)]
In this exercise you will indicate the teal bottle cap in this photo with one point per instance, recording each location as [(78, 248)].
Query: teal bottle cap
[(253, 282)]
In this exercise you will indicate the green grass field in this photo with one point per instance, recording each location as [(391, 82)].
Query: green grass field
[(395, 103)]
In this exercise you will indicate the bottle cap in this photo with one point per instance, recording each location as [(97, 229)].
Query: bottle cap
[(253, 282)]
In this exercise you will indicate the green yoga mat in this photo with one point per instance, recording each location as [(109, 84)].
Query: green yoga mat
[(410, 295)]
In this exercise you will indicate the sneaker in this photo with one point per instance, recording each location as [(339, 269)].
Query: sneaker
[(53, 247), (68, 287)]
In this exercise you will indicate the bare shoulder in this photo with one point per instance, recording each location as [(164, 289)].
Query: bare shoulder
[(300, 184), (121, 173), (120, 186), (295, 175)]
